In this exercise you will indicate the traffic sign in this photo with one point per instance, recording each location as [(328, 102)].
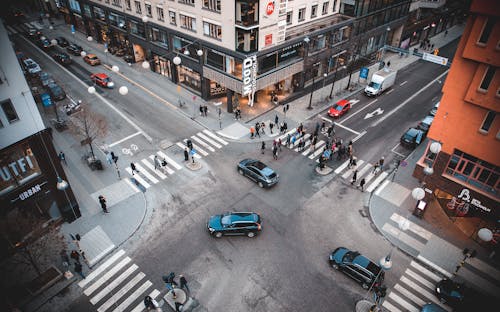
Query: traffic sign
[(363, 73), (193, 151)]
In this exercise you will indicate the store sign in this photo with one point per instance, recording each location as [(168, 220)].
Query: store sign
[(30, 192), (463, 202), (289, 52), (268, 39), (250, 78), (17, 166), (270, 7), (465, 196)]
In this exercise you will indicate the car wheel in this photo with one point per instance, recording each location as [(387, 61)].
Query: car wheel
[(335, 266), (261, 185), (240, 171), (218, 234), (250, 234), (365, 286)]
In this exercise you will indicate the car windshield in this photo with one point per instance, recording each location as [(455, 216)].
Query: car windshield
[(374, 85), (350, 255), (338, 107), (32, 65), (93, 57)]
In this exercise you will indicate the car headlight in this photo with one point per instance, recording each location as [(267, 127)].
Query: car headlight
[(111, 84), (211, 229), (438, 290), (331, 257)]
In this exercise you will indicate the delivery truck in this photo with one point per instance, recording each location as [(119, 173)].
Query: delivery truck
[(381, 81)]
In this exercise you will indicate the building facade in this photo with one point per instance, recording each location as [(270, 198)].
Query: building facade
[(466, 172), (29, 165)]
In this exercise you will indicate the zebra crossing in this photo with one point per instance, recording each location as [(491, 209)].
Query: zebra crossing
[(204, 143), (117, 286)]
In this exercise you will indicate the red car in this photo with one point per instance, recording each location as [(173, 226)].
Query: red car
[(339, 109), (102, 80)]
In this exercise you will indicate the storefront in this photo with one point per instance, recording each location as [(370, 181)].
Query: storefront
[(161, 65), (189, 77)]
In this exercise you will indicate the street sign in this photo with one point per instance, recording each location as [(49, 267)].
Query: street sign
[(434, 59), (363, 73)]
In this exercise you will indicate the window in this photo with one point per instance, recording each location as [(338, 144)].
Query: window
[(212, 5), (117, 3), (190, 2), (302, 14), (487, 122), (171, 15), (138, 8), (487, 29), (127, 5), (314, 11), (488, 77), (159, 36), (149, 12), (211, 30), (325, 8), (247, 13), (187, 22), (9, 111), (159, 13), (289, 17), (334, 6)]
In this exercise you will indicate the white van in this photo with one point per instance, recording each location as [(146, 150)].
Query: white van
[(31, 66)]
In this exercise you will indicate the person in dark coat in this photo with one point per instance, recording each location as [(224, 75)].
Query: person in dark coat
[(362, 184), (78, 269), (354, 177), (134, 169), (183, 282), (263, 147), (186, 154), (102, 201)]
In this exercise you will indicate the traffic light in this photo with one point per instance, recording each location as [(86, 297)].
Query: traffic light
[(436, 51), (190, 144)]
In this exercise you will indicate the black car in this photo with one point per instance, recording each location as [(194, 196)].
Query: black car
[(356, 266), (234, 223), (413, 137), (74, 49), (44, 43), (62, 58), (259, 172), (62, 42), (461, 297), (56, 92)]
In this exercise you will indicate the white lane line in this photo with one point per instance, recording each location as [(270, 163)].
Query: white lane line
[(409, 99), (423, 292), (113, 299), (138, 178), (205, 145), (351, 170), (430, 274), (148, 175), (347, 128), (415, 228), (403, 83), (402, 236), (326, 119), (101, 268), (183, 147), (359, 136), (319, 150), (420, 279), (390, 307), (357, 112), (150, 166), (166, 168), (384, 184), (342, 167), (198, 149), (140, 307), (409, 307), (106, 276), (390, 91), (133, 186), (353, 102), (307, 148), (435, 266), (409, 295), (215, 137), (169, 160), (204, 137), (103, 293), (132, 297), (399, 154), (377, 181), (124, 139)]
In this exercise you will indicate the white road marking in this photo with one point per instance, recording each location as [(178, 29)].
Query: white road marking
[(158, 172), (132, 297), (423, 292), (101, 268), (198, 149), (205, 145), (399, 154), (409, 295), (420, 279), (326, 119), (140, 307), (430, 274), (283, 137), (390, 307), (103, 293), (342, 167), (402, 236), (377, 192), (120, 293), (138, 178), (151, 167), (106, 276), (124, 139), (169, 160), (183, 147), (435, 266), (359, 136), (403, 83), (350, 171), (357, 112), (364, 169), (148, 175), (346, 128), (133, 186), (306, 141), (379, 179), (215, 137), (319, 149), (415, 228), (353, 102), (390, 91), (204, 137), (409, 307)]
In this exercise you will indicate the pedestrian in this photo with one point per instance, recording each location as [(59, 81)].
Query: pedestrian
[(201, 110), (257, 131), (75, 255), (252, 132), (275, 152), (294, 138), (134, 169), (148, 302), (317, 127), (78, 269), (330, 131), (62, 158), (109, 158), (323, 126), (388, 63), (178, 306), (351, 160), (263, 147), (205, 110), (157, 162), (350, 149), (186, 154), (262, 127), (446, 32), (313, 143), (285, 126), (183, 282), (115, 158), (102, 201), (301, 144), (271, 125), (381, 163), (362, 184), (280, 143), (354, 177), (288, 137), (375, 168), (432, 46), (276, 119)]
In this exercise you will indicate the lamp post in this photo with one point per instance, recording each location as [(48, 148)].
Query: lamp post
[(324, 80), (335, 76), (312, 91)]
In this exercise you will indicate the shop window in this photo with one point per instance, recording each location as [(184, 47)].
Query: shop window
[(187, 22), (137, 29), (87, 11), (127, 5), (99, 13), (159, 36), (212, 5), (488, 78), (189, 77), (138, 8), (487, 122), (159, 13), (212, 30), (9, 111), (314, 11), (180, 45), (325, 8), (246, 40), (74, 6), (289, 16), (116, 20), (149, 11), (247, 12), (171, 15), (302, 14), (487, 29)]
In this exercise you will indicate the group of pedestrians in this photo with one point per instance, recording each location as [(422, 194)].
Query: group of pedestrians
[(75, 255), (203, 110), (171, 284)]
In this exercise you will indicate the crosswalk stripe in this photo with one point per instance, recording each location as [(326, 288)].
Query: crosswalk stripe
[(297, 141), (148, 175), (390, 307), (370, 176), (402, 236), (430, 274), (403, 291), (169, 160), (103, 293), (422, 291), (138, 178), (150, 166), (209, 140), (375, 183), (434, 266), (106, 276), (415, 228), (133, 186), (101, 268), (198, 149), (364, 169), (166, 168), (307, 148), (205, 145), (420, 279), (403, 303), (132, 297), (215, 137), (350, 171), (319, 149), (184, 147), (140, 307), (283, 137), (113, 299), (341, 167)]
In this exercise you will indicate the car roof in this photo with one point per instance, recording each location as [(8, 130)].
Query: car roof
[(101, 75), (413, 131), (428, 120), (91, 55), (342, 102), (243, 216), (366, 263)]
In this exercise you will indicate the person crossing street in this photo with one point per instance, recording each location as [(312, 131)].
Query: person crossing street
[(263, 147), (354, 177)]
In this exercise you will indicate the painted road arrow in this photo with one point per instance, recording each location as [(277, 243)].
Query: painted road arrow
[(378, 111)]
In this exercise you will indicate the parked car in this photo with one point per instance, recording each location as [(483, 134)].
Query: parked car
[(432, 307), (259, 172), (234, 223), (412, 138), (31, 66), (461, 297), (434, 109), (102, 80), (62, 42), (339, 109), (425, 124), (56, 92), (74, 49), (33, 33), (45, 78), (92, 59), (62, 58), (356, 266)]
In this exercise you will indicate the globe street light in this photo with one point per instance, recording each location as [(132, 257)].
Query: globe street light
[(91, 90), (145, 65), (115, 68), (418, 193), (486, 235), (61, 184), (123, 90)]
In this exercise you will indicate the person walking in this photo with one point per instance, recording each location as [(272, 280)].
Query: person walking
[(375, 168), (252, 132), (323, 126), (354, 177), (78, 269), (288, 138), (263, 127), (157, 162), (201, 110), (109, 158), (102, 201), (381, 163), (62, 158), (183, 283), (294, 138), (134, 169), (362, 184), (351, 160), (75, 255), (280, 143), (329, 131), (271, 125), (388, 63), (257, 129), (275, 152), (276, 119), (205, 110), (263, 147), (186, 154)]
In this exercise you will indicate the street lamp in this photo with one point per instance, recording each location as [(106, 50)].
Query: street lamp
[(324, 80), (335, 76)]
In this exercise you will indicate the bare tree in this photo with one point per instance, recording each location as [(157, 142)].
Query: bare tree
[(89, 125)]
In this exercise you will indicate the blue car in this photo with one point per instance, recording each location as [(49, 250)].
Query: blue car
[(258, 172), (413, 137)]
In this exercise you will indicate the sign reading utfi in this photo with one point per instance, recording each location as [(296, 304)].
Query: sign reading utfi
[(250, 78)]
